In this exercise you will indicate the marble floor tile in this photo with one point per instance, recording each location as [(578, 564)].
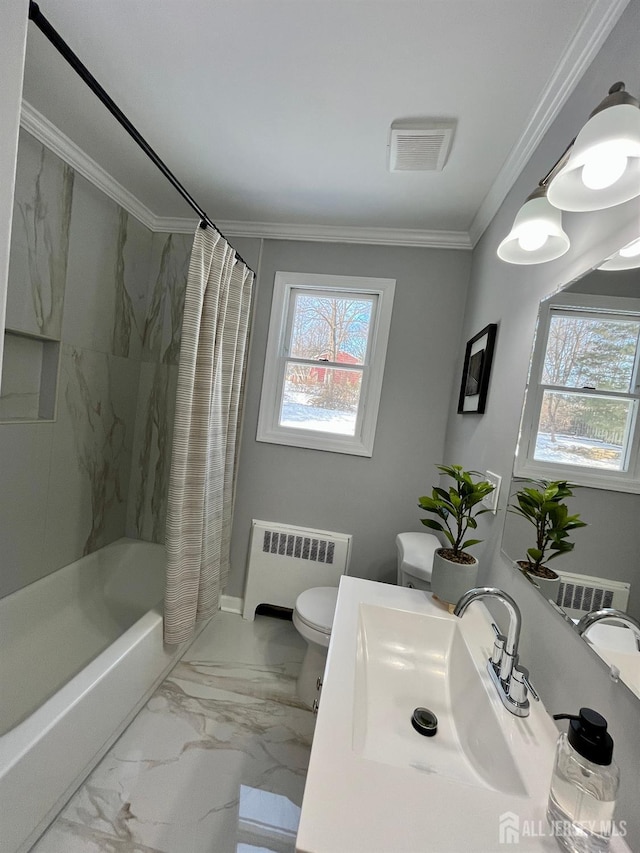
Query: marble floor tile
[(214, 763), (266, 640), (64, 836)]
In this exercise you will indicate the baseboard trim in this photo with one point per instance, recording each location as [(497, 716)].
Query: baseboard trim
[(231, 604)]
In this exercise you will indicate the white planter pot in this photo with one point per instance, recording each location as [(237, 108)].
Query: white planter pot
[(549, 587), (450, 581)]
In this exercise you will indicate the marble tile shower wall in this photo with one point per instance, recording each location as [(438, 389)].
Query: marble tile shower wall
[(84, 272), (168, 268)]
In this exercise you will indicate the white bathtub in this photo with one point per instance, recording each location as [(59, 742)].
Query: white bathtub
[(80, 653)]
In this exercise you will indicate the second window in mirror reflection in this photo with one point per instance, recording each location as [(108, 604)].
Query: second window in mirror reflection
[(581, 414)]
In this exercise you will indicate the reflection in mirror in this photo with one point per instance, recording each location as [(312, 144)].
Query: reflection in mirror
[(592, 434), (615, 636)]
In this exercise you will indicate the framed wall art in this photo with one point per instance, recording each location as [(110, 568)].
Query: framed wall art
[(476, 371)]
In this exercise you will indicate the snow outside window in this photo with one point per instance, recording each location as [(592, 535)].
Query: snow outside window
[(580, 420), (324, 361)]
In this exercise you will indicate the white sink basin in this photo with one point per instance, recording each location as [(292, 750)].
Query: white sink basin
[(374, 784), (405, 660)]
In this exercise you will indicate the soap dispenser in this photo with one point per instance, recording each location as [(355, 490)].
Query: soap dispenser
[(584, 784)]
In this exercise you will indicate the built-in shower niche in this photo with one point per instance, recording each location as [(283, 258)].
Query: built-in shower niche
[(29, 377)]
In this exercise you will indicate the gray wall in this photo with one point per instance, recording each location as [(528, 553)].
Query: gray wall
[(372, 498), (565, 671)]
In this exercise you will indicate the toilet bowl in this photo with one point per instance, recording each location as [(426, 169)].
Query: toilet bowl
[(313, 619)]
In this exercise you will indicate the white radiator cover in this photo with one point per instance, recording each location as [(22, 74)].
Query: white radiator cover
[(285, 560), (580, 594)]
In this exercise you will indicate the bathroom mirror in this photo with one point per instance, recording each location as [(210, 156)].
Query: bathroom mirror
[(603, 569)]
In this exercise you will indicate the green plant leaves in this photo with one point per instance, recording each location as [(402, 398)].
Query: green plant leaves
[(434, 525), (458, 506), (543, 507)]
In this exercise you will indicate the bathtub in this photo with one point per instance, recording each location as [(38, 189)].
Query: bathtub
[(81, 651)]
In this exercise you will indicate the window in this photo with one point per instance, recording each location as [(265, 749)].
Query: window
[(324, 362), (580, 419)]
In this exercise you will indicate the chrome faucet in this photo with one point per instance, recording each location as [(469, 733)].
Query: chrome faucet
[(606, 614), (509, 678)]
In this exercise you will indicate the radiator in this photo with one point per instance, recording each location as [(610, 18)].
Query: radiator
[(285, 560), (580, 594)]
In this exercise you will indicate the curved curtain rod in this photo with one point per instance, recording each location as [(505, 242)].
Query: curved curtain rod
[(63, 48)]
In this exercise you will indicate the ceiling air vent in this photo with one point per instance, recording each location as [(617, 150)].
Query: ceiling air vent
[(420, 146)]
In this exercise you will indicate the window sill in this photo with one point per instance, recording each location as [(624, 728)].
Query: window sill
[(609, 481), (315, 441)]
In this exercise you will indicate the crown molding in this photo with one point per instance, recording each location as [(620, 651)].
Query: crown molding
[(48, 134), (348, 234), (589, 38), (325, 233), (174, 225)]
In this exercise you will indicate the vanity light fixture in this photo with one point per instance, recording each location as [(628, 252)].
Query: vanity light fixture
[(600, 168), (536, 235), (626, 258), (603, 167)]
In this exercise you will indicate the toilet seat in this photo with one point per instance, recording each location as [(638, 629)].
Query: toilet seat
[(316, 607)]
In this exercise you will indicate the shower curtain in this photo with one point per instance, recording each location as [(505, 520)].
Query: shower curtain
[(203, 465)]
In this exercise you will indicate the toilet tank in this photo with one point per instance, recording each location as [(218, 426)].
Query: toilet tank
[(415, 559)]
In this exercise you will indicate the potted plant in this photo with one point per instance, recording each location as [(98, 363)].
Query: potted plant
[(454, 570), (542, 504)]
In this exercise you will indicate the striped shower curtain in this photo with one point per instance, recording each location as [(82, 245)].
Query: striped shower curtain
[(201, 486)]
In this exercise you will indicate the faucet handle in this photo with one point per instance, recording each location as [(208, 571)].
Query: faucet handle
[(498, 648), (520, 684)]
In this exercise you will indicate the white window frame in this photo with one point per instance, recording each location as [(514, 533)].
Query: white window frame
[(525, 465), (269, 429)]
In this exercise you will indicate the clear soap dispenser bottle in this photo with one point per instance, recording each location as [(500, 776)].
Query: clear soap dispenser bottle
[(584, 784)]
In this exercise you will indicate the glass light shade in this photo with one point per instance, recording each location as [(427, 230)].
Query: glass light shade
[(603, 168), (537, 234), (627, 258)]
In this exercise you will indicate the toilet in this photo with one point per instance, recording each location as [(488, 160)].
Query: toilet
[(315, 608), (313, 619), (415, 559)]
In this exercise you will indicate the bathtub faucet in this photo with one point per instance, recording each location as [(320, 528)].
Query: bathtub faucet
[(509, 678)]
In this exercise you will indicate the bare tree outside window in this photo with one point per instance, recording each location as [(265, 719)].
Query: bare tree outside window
[(325, 326), (586, 354), (330, 330), (324, 361)]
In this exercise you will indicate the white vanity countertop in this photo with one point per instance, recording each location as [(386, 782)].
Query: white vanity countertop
[(353, 803)]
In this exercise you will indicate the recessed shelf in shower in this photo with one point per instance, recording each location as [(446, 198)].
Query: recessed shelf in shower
[(29, 377)]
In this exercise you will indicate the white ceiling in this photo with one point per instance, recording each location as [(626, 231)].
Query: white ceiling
[(278, 111)]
